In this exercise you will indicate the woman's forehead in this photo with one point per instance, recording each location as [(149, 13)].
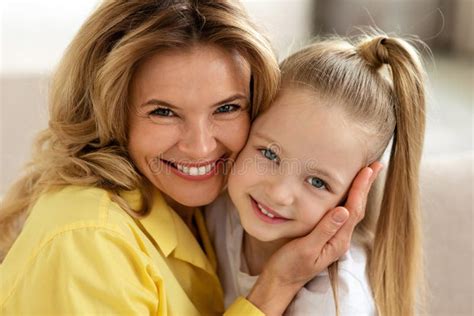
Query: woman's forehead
[(204, 73)]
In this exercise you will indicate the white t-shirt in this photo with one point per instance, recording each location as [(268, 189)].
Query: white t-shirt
[(315, 298)]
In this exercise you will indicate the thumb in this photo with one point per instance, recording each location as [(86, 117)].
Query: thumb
[(327, 227)]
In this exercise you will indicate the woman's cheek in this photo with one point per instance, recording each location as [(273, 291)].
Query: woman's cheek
[(237, 131), (242, 173)]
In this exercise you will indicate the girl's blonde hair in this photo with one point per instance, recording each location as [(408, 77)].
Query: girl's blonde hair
[(379, 81), (85, 143)]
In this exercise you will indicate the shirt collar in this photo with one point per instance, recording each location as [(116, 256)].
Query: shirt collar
[(169, 231)]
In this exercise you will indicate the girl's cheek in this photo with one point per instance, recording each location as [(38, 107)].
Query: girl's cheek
[(312, 215)]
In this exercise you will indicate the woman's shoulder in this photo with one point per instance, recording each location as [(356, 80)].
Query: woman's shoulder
[(71, 201), (73, 204), (72, 240), (69, 228), (74, 208)]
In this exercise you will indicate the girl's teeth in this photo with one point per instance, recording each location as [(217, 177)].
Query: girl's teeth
[(264, 211)]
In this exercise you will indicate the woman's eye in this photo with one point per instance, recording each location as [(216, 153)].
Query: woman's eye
[(316, 182), (228, 108), (270, 154), (162, 112)]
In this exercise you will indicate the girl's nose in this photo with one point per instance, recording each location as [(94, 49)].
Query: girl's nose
[(280, 192), (198, 141)]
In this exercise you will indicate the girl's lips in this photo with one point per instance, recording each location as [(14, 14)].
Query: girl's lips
[(276, 219)]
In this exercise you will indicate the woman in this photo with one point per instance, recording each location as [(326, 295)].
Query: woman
[(151, 103)]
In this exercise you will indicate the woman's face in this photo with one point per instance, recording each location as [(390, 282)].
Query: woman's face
[(189, 119), (299, 162)]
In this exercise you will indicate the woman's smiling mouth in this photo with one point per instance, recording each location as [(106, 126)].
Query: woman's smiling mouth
[(195, 171)]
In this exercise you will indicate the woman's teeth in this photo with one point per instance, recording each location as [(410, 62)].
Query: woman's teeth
[(196, 171), (264, 211)]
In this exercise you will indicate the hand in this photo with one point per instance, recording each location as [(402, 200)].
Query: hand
[(300, 260)]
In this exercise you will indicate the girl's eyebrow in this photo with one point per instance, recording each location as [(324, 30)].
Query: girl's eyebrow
[(234, 97), (333, 177), (273, 144)]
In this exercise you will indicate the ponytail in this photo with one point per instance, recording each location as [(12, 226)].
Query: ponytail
[(395, 265)]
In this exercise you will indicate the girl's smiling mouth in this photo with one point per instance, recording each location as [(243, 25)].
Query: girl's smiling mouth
[(265, 213)]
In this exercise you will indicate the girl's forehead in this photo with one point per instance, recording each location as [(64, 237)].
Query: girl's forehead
[(301, 107), (306, 128)]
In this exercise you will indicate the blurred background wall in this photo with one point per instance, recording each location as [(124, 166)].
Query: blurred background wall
[(35, 33)]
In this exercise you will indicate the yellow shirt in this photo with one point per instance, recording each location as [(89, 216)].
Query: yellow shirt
[(80, 253)]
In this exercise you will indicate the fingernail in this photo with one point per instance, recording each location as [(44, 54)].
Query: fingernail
[(340, 215), (371, 171)]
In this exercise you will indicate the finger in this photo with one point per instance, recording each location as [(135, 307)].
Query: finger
[(377, 167), (357, 197), (359, 189), (356, 203), (339, 244), (326, 229)]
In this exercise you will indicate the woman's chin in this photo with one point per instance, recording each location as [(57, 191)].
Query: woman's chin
[(195, 198)]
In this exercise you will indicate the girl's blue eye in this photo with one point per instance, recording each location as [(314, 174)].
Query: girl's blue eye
[(162, 112), (316, 182), (228, 108), (270, 154)]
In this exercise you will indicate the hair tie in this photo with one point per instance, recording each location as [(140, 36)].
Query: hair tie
[(381, 51), (374, 51)]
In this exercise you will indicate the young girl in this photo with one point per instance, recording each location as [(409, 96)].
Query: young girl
[(338, 108)]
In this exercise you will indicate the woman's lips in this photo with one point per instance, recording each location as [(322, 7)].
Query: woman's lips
[(196, 171), (266, 214)]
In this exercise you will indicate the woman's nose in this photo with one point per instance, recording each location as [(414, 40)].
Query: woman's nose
[(198, 140)]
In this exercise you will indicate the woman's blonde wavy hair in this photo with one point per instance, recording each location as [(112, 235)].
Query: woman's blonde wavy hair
[(85, 142), (379, 82)]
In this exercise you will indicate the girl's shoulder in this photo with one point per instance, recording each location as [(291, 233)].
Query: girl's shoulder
[(217, 212), (354, 292)]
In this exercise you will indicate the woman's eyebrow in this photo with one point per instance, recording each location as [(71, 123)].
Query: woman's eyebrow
[(159, 102), (234, 97)]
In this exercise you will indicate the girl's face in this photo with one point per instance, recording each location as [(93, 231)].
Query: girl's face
[(300, 159), (188, 120)]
